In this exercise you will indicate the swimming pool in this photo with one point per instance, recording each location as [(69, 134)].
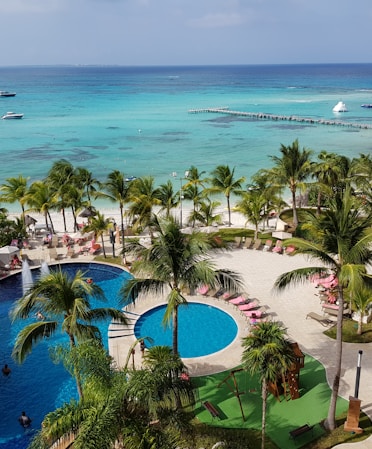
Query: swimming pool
[(202, 329), (38, 386)]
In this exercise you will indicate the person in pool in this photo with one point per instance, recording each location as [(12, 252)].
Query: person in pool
[(24, 420), (6, 370)]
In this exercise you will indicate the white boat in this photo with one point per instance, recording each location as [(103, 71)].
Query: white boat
[(5, 93), (11, 115), (368, 105), (340, 107)]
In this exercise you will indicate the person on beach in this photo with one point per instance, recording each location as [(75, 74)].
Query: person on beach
[(24, 420), (6, 370)]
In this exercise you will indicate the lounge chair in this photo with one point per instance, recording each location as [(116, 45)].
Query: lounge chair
[(249, 306), (248, 242), (203, 290), (290, 249), (257, 244), (71, 252), (53, 254), (320, 319), (278, 248), (268, 245), (252, 313)]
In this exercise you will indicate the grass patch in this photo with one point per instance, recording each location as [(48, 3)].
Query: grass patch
[(349, 332), (109, 259)]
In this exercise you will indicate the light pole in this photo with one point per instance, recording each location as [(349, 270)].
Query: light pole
[(357, 380), (186, 175)]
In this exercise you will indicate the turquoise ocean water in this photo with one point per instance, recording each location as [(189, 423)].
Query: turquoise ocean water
[(136, 119)]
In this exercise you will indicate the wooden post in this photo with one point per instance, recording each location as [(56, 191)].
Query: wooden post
[(352, 421)]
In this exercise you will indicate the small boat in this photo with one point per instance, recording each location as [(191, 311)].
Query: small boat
[(340, 107), (11, 115), (5, 93), (369, 105), (130, 178)]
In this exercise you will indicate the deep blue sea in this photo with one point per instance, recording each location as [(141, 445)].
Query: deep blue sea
[(136, 119)]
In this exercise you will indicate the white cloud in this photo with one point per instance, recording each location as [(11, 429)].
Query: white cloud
[(218, 20)]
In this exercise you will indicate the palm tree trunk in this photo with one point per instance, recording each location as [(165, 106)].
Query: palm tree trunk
[(229, 209), (64, 219), (103, 246), (122, 233), (175, 330), (76, 372), (330, 422), (294, 208), (264, 402), (360, 323)]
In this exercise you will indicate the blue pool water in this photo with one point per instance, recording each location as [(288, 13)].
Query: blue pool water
[(203, 329), (39, 386)]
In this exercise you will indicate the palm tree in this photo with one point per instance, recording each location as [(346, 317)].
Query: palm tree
[(86, 181), (252, 206), (116, 189), (167, 197), (341, 240), (42, 198), (99, 225), (206, 213), (291, 169), (175, 263), (65, 304), (362, 300), (15, 189), (224, 182), (143, 196), (268, 353)]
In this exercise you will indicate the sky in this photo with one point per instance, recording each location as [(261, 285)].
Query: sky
[(184, 32)]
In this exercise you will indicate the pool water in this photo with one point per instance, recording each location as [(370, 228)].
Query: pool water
[(38, 386), (202, 329)]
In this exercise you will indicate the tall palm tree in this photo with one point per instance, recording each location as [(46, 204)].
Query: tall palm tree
[(42, 198), (87, 182), (291, 170), (268, 353), (167, 197), (340, 238), (206, 213), (99, 225), (65, 304), (252, 207), (116, 189), (143, 196), (223, 181), (15, 189), (175, 263)]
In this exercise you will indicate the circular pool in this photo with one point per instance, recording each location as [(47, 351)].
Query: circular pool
[(202, 329), (38, 386)]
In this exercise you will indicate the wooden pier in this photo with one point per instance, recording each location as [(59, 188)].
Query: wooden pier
[(278, 118)]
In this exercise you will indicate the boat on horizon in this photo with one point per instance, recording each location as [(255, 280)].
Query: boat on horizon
[(367, 105), (12, 115), (340, 107), (5, 93)]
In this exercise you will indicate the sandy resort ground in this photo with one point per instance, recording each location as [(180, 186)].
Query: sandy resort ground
[(259, 270)]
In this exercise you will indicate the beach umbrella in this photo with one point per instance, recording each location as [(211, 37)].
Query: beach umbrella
[(87, 212), (29, 220), (7, 252)]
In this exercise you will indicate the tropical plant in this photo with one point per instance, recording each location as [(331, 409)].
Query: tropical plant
[(362, 301), (268, 353), (167, 198), (206, 213), (42, 198), (291, 169), (174, 264), (223, 181), (85, 180), (15, 189), (99, 225), (143, 196), (64, 303), (116, 189), (252, 207), (340, 239)]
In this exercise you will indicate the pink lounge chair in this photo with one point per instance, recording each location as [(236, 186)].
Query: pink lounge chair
[(278, 248), (238, 300), (203, 290), (249, 306), (290, 249)]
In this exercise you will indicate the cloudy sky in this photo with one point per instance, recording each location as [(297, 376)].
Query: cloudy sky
[(184, 32)]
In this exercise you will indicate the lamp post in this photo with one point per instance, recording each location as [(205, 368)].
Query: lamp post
[(357, 380), (112, 240), (186, 175)]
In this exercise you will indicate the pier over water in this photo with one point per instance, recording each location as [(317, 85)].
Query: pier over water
[(274, 117)]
